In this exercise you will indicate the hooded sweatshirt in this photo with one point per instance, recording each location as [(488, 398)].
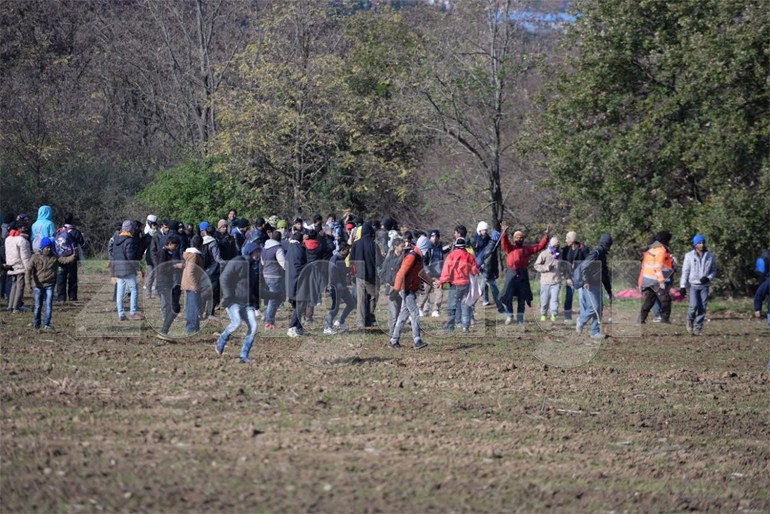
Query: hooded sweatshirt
[(43, 227), (193, 270), (366, 255)]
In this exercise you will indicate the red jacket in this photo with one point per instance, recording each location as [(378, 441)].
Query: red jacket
[(518, 257), (408, 276), (459, 265)]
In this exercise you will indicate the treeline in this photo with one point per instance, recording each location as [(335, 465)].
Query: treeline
[(631, 119)]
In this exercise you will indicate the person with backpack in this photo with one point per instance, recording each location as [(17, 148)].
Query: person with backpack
[(763, 291), (407, 284), (68, 240), (240, 297), (41, 275), (124, 259), (698, 272), (588, 278), (43, 227)]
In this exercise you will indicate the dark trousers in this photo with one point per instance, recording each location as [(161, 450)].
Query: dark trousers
[(337, 293), (651, 295), (67, 282), (296, 316)]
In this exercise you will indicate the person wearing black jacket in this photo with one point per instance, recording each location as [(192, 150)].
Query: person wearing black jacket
[(124, 257), (571, 255), (366, 257), (588, 278), (168, 276), (338, 290), (298, 290), (240, 297)]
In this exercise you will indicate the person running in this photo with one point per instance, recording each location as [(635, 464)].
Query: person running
[(517, 275), (240, 297), (698, 272), (338, 291)]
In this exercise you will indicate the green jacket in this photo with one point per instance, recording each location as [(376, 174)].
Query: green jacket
[(41, 270)]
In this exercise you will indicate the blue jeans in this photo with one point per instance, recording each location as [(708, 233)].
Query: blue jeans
[(274, 286), (39, 292), (192, 312), (699, 302), (130, 283), (591, 308), (238, 314), (457, 310)]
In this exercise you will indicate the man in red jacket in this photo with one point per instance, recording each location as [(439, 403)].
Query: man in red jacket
[(459, 265), (517, 274), (407, 284)]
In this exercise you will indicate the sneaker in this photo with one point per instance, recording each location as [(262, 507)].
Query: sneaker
[(269, 326), (329, 331), (48, 328), (213, 318), (689, 326), (164, 337), (136, 316), (542, 317), (36, 328), (258, 313), (422, 313), (219, 348), (22, 308), (419, 344), (568, 321), (292, 332), (122, 317), (466, 330), (553, 318), (578, 328), (246, 360), (435, 314), (485, 303), (508, 320), (696, 331), (341, 326), (394, 344), (598, 335), (657, 319)]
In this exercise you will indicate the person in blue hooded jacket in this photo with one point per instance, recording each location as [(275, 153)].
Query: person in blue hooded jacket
[(43, 227)]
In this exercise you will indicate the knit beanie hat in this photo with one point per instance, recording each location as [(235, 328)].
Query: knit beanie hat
[(571, 237), (46, 241), (698, 239), (460, 242), (483, 225), (221, 223), (127, 226)]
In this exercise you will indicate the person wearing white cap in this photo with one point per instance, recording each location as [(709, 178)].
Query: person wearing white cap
[(151, 219), (486, 247), (551, 275)]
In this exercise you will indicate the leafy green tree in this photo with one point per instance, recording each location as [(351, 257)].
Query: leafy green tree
[(659, 118)]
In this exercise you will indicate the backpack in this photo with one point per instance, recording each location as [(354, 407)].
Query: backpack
[(65, 243), (763, 265)]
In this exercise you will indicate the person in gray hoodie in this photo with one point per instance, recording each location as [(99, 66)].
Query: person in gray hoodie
[(698, 271)]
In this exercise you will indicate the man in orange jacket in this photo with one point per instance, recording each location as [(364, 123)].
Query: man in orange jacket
[(657, 268), (407, 284)]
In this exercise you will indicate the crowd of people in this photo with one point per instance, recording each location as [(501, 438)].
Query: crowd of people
[(250, 269)]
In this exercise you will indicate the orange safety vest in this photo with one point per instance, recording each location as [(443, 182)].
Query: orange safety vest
[(657, 266)]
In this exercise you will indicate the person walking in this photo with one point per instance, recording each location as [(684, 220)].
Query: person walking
[(390, 267), (407, 285), (273, 270), (548, 264), (192, 283), (588, 278), (168, 277), (366, 256), (517, 275), (297, 285), (654, 278), (434, 263), (124, 257), (338, 290), (698, 272), (41, 277)]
